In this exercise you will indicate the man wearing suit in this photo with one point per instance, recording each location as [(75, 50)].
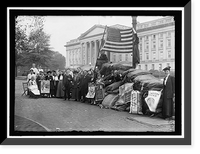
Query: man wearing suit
[(67, 82), (168, 95)]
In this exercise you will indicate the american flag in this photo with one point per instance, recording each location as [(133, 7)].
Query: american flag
[(119, 40)]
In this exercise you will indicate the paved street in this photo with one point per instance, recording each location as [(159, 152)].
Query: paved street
[(55, 113)]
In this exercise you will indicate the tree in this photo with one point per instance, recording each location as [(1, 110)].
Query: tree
[(21, 45), (57, 61), (32, 45)]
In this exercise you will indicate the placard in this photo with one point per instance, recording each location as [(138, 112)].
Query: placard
[(45, 87), (152, 99), (91, 92)]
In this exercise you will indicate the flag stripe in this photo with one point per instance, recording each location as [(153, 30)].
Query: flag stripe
[(118, 47), (127, 39), (127, 35), (118, 50), (119, 43)]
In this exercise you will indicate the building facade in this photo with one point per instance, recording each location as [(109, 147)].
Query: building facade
[(84, 50), (156, 46)]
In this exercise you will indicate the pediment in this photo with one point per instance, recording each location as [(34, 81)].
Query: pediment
[(93, 31)]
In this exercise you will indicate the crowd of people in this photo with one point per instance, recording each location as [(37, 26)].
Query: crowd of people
[(66, 84), (74, 84)]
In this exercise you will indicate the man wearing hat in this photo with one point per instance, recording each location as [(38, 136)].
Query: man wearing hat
[(168, 94)]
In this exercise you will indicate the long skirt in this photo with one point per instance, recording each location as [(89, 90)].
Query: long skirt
[(167, 108), (60, 92), (75, 93)]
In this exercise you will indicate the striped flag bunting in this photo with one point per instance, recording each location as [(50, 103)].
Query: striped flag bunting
[(119, 40)]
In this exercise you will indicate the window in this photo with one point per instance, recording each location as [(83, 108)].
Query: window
[(126, 59), (114, 58), (168, 34), (154, 36), (161, 44), (146, 67), (120, 57), (140, 38), (169, 54), (139, 67), (147, 37), (153, 45), (168, 64), (147, 46), (160, 67), (161, 54), (154, 55), (168, 42), (141, 47), (153, 67)]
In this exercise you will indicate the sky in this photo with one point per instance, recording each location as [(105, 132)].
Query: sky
[(65, 28)]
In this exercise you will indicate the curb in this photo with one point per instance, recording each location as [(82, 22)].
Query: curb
[(48, 130)]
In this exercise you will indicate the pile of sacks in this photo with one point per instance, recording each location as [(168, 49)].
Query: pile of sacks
[(134, 84)]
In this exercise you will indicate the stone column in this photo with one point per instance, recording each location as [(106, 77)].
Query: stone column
[(81, 54), (86, 53), (95, 51), (90, 53)]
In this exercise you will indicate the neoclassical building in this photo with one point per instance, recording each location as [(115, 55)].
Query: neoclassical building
[(157, 45)]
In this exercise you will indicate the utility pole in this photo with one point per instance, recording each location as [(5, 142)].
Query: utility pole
[(134, 23)]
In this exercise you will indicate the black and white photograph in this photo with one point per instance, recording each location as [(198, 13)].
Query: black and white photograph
[(96, 74)]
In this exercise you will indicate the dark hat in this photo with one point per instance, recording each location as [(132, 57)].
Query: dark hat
[(48, 72), (167, 68)]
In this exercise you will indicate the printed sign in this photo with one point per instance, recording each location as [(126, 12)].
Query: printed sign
[(45, 86), (136, 105), (152, 100)]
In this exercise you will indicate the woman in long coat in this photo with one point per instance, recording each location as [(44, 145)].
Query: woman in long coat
[(84, 85), (168, 95), (60, 92), (75, 89)]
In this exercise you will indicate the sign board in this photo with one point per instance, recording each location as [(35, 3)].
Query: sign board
[(152, 99), (91, 91), (45, 87), (136, 104)]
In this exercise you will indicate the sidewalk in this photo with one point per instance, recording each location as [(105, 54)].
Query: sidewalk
[(24, 124)]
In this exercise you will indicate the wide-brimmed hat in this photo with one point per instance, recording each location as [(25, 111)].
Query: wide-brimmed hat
[(48, 72)]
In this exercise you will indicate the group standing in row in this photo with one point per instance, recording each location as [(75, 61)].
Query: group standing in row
[(66, 84)]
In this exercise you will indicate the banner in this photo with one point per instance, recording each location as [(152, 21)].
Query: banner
[(152, 100), (45, 86)]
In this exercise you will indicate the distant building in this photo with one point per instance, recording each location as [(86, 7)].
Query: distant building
[(157, 46)]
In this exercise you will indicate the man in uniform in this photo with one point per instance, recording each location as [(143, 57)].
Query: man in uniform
[(168, 95)]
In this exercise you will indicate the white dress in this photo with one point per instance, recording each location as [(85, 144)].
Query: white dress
[(32, 86)]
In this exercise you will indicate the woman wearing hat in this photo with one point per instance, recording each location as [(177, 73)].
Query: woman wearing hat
[(31, 73), (50, 78), (60, 92), (168, 95)]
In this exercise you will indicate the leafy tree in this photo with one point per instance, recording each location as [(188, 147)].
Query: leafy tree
[(58, 61), (32, 44), (21, 45)]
